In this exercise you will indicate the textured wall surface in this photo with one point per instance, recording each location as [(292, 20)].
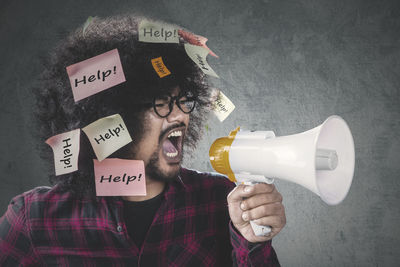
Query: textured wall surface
[(287, 65)]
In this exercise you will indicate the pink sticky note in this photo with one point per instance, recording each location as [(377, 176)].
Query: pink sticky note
[(195, 39), (119, 177), (66, 151), (95, 74)]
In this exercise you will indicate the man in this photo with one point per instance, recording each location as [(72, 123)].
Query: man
[(187, 218)]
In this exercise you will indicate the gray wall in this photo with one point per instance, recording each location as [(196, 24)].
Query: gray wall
[(287, 65)]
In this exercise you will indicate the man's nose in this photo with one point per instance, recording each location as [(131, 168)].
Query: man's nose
[(176, 113)]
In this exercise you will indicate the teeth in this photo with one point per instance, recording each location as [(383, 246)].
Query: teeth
[(175, 133), (173, 154)]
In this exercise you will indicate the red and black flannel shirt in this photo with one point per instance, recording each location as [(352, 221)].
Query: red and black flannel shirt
[(47, 227)]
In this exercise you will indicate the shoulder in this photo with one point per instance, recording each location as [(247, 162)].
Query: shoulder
[(206, 180), (20, 205), (42, 193), (22, 199), (40, 199)]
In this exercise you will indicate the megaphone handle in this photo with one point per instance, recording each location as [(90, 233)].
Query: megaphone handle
[(259, 230)]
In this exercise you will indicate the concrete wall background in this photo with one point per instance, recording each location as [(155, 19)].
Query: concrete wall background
[(287, 65)]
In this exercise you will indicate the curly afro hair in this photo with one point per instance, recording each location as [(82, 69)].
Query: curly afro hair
[(57, 112)]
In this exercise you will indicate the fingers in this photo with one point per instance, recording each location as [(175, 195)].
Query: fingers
[(273, 209), (272, 221), (275, 222), (272, 215), (246, 191), (261, 199), (261, 188)]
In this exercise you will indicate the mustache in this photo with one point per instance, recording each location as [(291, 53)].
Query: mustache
[(182, 124)]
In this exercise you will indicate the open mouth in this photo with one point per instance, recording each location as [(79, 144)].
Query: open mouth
[(172, 145)]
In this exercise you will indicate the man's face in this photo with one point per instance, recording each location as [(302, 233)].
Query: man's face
[(161, 144)]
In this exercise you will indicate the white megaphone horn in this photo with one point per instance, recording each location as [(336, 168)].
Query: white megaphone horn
[(320, 159)]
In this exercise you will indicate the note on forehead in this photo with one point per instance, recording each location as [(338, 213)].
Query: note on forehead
[(153, 32), (195, 39), (66, 151), (119, 177), (95, 74), (107, 135), (199, 55), (223, 106), (159, 67)]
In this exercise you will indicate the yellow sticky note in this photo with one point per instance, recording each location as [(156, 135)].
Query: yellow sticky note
[(107, 135), (199, 56), (160, 67), (223, 106)]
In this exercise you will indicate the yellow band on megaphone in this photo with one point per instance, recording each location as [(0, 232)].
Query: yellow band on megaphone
[(219, 154)]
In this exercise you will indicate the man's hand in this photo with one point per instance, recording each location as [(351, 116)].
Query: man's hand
[(260, 203)]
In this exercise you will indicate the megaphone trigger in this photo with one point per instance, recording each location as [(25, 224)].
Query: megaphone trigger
[(250, 179), (260, 230)]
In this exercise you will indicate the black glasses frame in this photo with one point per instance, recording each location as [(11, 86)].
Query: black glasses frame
[(173, 100)]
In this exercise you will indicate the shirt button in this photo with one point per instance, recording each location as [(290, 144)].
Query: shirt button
[(119, 228)]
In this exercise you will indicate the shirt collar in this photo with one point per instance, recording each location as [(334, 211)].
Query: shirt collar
[(177, 185)]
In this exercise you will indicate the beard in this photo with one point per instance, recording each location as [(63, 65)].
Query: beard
[(153, 169)]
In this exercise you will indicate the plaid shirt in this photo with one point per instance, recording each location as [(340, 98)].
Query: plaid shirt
[(47, 227)]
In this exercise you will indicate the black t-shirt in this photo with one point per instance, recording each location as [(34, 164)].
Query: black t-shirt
[(139, 216)]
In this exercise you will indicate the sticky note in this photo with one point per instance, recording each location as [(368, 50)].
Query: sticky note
[(66, 151), (159, 67), (87, 23), (195, 39), (95, 74), (107, 135), (199, 56), (223, 106), (153, 32), (119, 177)]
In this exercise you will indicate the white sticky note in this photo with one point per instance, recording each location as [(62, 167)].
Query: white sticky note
[(153, 32), (199, 56), (223, 107), (107, 135), (66, 151)]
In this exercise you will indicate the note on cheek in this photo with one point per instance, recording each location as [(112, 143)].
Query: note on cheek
[(195, 39), (223, 106), (107, 135), (66, 151), (199, 56), (95, 74), (153, 32), (119, 177)]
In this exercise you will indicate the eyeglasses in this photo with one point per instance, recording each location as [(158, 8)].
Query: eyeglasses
[(164, 105)]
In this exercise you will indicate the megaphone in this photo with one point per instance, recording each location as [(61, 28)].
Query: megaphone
[(321, 159)]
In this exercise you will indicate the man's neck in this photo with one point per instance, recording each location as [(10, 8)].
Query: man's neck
[(153, 189)]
